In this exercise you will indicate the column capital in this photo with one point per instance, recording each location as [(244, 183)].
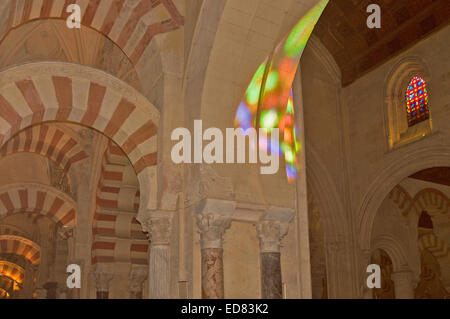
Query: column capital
[(158, 225), (270, 233), (138, 273), (103, 274), (211, 228), (213, 219)]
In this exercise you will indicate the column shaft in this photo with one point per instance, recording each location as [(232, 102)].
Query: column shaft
[(159, 280), (213, 219), (270, 233), (403, 285), (271, 284), (159, 227), (212, 273)]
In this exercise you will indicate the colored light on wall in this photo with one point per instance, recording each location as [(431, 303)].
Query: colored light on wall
[(270, 91)]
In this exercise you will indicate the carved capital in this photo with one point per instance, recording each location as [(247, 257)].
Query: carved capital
[(158, 224), (138, 273), (211, 228), (270, 233), (103, 274), (65, 232)]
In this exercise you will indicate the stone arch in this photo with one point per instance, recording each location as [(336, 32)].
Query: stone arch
[(39, 199), (397, 167), (47, 141), (6, 229), (430, 197), (397, 80), (124, 22), (394, 249), (400, 197), (11, 270), (17, 245), (383, 258), (117, 236), (227, 70), (436, 246), (68, 92)]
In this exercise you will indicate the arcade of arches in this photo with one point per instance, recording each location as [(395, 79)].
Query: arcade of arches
[(86, 175)]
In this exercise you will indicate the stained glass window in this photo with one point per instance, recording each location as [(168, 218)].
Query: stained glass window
[(417, 101)]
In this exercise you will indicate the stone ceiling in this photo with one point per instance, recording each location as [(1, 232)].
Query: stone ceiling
[(358, 49)]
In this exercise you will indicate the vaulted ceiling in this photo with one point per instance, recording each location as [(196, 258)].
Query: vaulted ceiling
[(358, 49)]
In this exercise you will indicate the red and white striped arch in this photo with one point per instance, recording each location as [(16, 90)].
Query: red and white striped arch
[(116, 250), (6, 229), (118, 187), (131, 24), (12, 271), (434, 244), (118, 237), (11, 244), (55, 91), (431, 200), (401, 199), (40, 199), (47, 141), (111, 224)]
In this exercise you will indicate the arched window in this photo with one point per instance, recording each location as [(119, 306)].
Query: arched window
[(417, 101), (406, 90)]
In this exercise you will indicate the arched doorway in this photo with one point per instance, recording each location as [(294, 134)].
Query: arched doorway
[(86, 187), (412, 227)]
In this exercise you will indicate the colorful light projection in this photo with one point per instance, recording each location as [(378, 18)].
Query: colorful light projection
[(269, 95), (417, 101)]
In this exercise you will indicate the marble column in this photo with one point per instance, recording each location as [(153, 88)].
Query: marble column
[(270, 233), (138, 273), (403, 284), (103, 274), (159, 227), (211, 228)]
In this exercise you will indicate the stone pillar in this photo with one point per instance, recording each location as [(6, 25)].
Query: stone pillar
[(103, 274), (28, 284), (213, 219), (159, 227), (270, 234), (138, 273), (403, 284), (51, 288), (48, 250)]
